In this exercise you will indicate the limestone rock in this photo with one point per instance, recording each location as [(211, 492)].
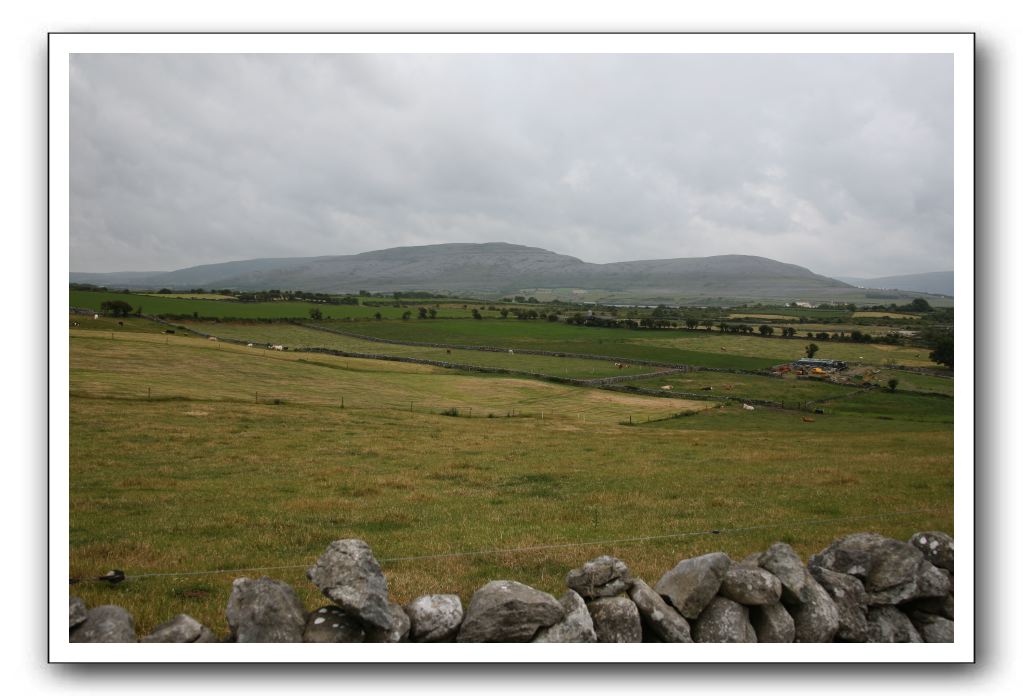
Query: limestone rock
[(434, 618), (888, 568), (932, 581), (886, 624), (933, 629), (750, 586), (106, 624), (397, 632), (937, 547), (816, 619), (332, 625), (505, 611), (616, 620), (264, 611), (939, 606), (658, 616), (691, 584), (349, 575), (850, 601), (724, 621), (782, 561), (576, 627), (773, 623), (606, 576), (77, 612), (181, 629)]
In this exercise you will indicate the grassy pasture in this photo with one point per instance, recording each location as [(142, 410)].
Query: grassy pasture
[(788, 390), (202, 477), (882, 315), (188, 295)]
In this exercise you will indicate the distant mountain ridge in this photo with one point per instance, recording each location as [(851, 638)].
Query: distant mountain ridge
[(936, 282), (497, 268)]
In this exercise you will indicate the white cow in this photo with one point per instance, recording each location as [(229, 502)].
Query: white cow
[(666, 387), (276, 347), (747, 407), (213, 338)]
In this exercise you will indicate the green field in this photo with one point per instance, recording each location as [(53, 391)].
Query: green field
[(788, 390), (191, 455)]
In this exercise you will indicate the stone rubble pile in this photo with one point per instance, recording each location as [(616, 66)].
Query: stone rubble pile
[(863, 588)]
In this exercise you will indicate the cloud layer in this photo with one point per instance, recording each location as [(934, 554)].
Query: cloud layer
[(840, 163)]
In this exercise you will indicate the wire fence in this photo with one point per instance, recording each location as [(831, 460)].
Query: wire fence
[(542, 547)]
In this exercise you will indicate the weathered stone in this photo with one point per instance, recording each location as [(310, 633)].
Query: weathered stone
[(782, 561), (752, 560), (850, 601), (816, 619), (888, 568), (398, 630), (750, 586), (658, 616), (886, 624), (576, 627), (332, 625), (616, 620), (508, 612), (939, 606), (181, 629), (932, 581), (264, 611), (349, 575), (773, 623), (691, 584), (606, 576), (724, 621), (105, 624), (937, 547), (933, 629), (77, 612), (434, 618)]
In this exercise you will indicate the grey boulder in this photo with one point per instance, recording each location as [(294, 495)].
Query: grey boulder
[(772, 623), (349, 575), (77, 612), (181, 629), (886, 624), (505, 611), (616, 620), (933, 629), (576, 627), (397, 632), (816, 619), (750, 586), (937, 547), (264, 611), (332, 625), (782, 561), (850, 601), (888, 568), (691, 584), (434, 618), (106, 624), (724, 621), (606, 576), (658, 616)]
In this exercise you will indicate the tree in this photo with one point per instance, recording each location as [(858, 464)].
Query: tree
[(476, 314), (691, 323), (118, 308), (422, 312), (942, 353), (920, 305), (892, 384), (378, 316), (552, 317), (765, 330), (315, 314), (811, 350), (407, 314), (433, 313), (504, 312)]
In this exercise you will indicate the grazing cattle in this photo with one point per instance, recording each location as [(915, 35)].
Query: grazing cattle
[(448, 351), (707, 388), (728, 387), (510, 350), (74, 323), (618, 365), (276, 347), (248, 345), (722, 347), (168, 331), (666, 387), (212, 338), (95, 316), (120, 323), (808, 419), (747, 407)]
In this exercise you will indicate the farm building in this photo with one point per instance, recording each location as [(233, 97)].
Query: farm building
[(810, 363)]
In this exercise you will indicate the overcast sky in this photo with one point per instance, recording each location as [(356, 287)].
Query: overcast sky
[(839, 163)]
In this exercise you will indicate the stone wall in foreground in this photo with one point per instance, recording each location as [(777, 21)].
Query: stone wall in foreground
[(863, 588)]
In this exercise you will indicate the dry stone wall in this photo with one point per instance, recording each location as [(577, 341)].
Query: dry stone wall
[(864, 587)]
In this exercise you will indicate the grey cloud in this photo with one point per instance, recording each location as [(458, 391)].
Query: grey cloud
[(841, 163)]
